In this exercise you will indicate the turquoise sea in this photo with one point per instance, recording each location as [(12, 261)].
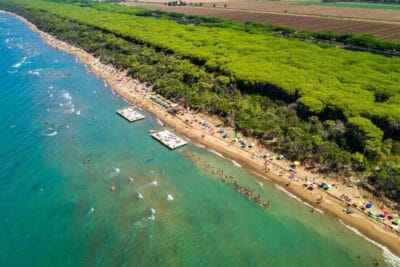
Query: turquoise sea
[(61, 148)]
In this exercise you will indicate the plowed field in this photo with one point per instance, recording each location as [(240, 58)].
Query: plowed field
[(372, 23)]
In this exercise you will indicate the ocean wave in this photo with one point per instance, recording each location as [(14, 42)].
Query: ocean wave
[(236, 164), (308, 205), (288, 193), (216, 153), (297, 198), (19, 64), (70, 111), (200, 146), (160, 122), (318, 210), (52, 134), (389, 257), (35, 72), (262, 176), (66, 95)]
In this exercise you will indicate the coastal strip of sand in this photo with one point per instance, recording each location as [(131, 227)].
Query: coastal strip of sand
[(138, 93)]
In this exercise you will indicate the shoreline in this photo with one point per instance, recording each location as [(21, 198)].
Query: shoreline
[(122, 84)]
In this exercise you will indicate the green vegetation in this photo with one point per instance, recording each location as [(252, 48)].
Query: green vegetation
[(337, 108)]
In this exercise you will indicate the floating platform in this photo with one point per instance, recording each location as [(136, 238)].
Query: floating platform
[(168, 139), (130, 114)]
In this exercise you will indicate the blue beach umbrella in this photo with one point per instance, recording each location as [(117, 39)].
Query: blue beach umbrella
[(368, 206)]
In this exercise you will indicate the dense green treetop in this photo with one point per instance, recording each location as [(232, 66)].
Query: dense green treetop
[(345, 80)]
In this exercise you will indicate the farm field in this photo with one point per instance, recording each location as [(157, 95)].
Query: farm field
[(381, 30), (305, 8), (356, 5)]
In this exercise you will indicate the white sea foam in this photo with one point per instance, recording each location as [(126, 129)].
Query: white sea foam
[(389, 257), (105, 83), (200, 146), (78, 112), (297, 198), (216, 153), (236, 164), (308, 205), (35, 72), (66, 95), (70, 111), (17, 65), (320, 211), (52, 134), (160, 122), (256, 173), (288, 193), (154, 183), (170, 197)]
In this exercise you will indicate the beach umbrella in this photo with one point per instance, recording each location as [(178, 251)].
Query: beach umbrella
[(314, 186), (296, 163), (372, 213), (368, 206)]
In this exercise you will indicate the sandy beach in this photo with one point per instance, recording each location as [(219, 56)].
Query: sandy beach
[(193, 127)]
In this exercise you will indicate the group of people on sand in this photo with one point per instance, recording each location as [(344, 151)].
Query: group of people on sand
[(246, 191)]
